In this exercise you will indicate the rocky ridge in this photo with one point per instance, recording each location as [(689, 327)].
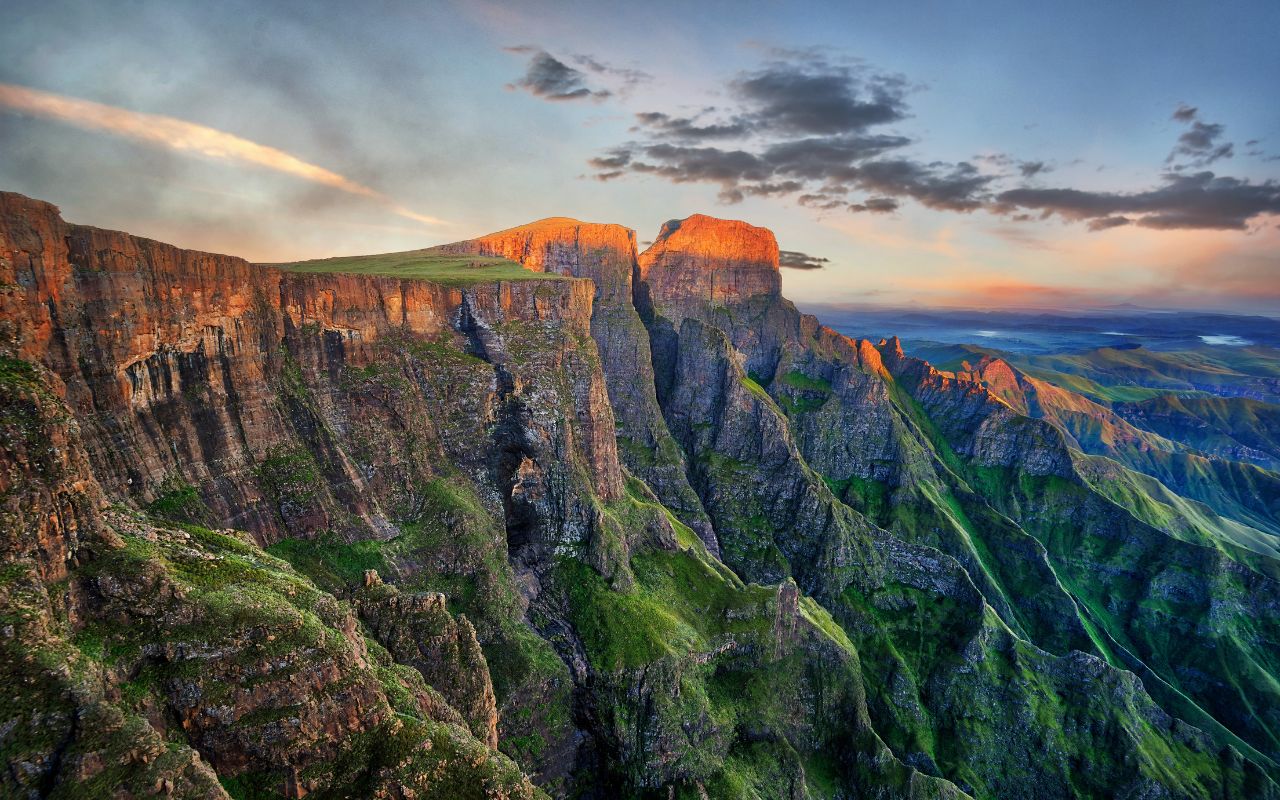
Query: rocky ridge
[(654, 533)]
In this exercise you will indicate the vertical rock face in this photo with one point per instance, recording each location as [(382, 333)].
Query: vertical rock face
[(723, 273), (607, 255), (702, 259), (184, 367)]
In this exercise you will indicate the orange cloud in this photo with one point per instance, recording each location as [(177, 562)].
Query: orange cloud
[(183, 136)]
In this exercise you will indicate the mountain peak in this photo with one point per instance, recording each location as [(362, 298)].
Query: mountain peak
[(711, 259), (715, 238), (603, 252)]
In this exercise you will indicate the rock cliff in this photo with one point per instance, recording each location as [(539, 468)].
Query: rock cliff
[(607, 255), (640, 529)]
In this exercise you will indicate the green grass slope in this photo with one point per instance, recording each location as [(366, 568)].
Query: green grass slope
[(428, 264), (1234, 428)]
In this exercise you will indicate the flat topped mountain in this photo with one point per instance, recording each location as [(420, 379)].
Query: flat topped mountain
[(717, 260), (700, 257), (433, 264)]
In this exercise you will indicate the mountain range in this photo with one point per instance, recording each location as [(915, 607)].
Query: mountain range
[(539, 515)]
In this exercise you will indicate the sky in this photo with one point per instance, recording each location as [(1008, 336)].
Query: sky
[(989, 155)]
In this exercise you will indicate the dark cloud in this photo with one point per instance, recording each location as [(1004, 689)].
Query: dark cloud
[(1201, 200), (551, 79), (1030, 169), (768, 189), (815, 97), (1104, 223), (1199, 144), (809, 129), (830, 158), (680, 164), (875, 205), (803, 126), (821, 201), (686, 129), (794, 259), (616, 159), (948, 187)]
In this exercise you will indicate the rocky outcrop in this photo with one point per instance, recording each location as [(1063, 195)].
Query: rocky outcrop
[(702, 260), (721, 272), (604, 253), (418, 630), (191, 369), (1235, 429), (921, 420), (1235, 490), (607, 255), (149, 656)]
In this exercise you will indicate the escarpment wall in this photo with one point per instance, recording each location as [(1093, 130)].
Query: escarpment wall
[(194, 370)]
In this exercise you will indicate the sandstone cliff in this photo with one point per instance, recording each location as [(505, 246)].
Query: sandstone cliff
[(607, 255), (645, 527)]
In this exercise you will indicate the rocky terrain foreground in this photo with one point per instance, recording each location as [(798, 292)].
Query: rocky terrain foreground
[(429, 527)]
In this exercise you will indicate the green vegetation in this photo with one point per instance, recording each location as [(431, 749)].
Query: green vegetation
[(756, 389), (448, 269), (798, 380), (1234, 428), (1133, 375), (16, 372), (180, 502)]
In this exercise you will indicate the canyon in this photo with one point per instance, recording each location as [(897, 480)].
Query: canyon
[(628, 526)]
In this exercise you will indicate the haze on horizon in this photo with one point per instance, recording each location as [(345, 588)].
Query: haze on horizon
[(1008, 157)]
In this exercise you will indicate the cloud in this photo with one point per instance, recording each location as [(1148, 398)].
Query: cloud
[(804, 126), (1201, 200), (794, 259), (615, 159), (551, 79), (182, 136), (1030, 169), (821, 201), (1105, 223), (1199, 143), (815, 97), (627, 77), (947, 187), (686, 129), (680, 164), (1003, 163), (876, 205), (829, 158)]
